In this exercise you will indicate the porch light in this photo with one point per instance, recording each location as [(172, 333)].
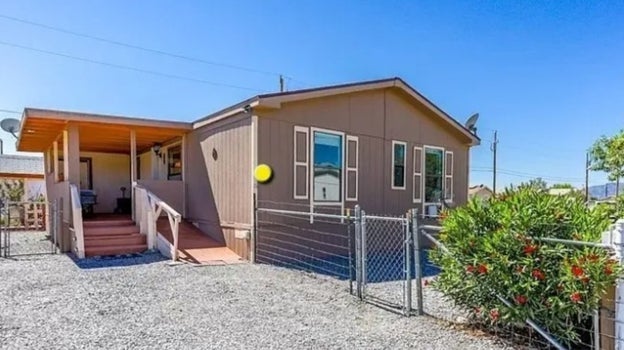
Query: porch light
[(156, 149)]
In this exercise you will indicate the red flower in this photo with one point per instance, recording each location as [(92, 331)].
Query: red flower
[(521, 299), (608, 269), (482, 269), (577, 271), (494, 314), (529, 249), (576, 297), (538, 275), (470, 269)]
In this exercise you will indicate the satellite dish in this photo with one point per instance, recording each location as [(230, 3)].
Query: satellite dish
[(10, 125), (472, 122)]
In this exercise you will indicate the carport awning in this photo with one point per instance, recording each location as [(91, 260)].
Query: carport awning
[(98, 133)]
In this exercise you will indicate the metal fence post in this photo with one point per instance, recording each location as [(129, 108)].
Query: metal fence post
[(417, 263), (407, 251), (363, 252), (7, 234), (358, 251), (619, 289)]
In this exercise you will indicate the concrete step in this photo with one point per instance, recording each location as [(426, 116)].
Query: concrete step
[(115, 240), (115, 250), (112, 230), (107, 223)]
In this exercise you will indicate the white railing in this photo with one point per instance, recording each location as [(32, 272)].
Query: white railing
[(76, 229), (148, 208)]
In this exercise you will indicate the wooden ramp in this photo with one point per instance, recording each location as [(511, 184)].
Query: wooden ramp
[(196, 247)]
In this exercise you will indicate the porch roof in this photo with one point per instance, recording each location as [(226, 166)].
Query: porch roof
[(98, 133)]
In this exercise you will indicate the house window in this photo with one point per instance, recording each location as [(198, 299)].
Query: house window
[(327, 182), (174, 163), (398, 165), (434, 174)]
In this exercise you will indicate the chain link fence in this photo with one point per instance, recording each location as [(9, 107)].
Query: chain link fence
[(387, 261), (28, 228)]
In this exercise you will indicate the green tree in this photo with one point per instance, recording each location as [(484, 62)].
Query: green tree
[(607, 154), (562, 185), (537, 184)]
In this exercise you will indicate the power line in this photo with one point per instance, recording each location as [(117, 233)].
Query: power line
[(137, 47), (129, 68), (9, 111), (532, 176)]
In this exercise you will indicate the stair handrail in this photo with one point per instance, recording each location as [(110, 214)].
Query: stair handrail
[(154, 207), (78, 232)]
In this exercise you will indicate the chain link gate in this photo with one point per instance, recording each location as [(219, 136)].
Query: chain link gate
[(28, 228), (384, 261)]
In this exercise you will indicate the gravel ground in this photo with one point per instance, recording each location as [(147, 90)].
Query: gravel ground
[(28, 242), (145, 303)]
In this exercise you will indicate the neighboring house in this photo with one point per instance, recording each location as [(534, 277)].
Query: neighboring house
[(379, 144), (21, 178), (560, 191), (480, 191), (21, 183)]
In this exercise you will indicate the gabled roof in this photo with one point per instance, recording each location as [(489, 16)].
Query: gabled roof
[(275, 100), (12, 164)]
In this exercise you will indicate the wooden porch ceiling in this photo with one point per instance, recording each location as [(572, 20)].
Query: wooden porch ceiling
[(98, 133)]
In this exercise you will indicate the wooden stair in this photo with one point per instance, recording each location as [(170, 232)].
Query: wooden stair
[(112, 237)]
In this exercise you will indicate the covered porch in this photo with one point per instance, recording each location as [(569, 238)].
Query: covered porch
[(95, 163)]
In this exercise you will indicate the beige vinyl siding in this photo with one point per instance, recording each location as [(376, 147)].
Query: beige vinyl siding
[(375, 118), (219, 197)]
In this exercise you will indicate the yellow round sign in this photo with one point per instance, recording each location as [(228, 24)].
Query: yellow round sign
[(263, 173)]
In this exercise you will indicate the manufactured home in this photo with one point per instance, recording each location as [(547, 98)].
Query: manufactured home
[(130, 184)]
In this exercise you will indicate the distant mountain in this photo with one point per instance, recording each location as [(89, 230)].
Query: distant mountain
[(604, 191)]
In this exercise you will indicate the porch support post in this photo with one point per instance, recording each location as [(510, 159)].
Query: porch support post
[(55, 161), (183, 157), (133, 171), (71, 154)]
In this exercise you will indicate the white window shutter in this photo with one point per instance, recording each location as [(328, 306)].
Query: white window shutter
[(301, 168), (449, 164), (417, 179), (352, 165)]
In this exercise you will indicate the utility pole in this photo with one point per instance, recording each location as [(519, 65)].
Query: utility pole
[(587, 177), (281, 82), (493, 147)]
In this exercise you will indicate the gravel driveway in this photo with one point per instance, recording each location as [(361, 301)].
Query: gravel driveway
[(50, 302)]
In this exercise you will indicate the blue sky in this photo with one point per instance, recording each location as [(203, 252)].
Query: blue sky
[(548, 76)]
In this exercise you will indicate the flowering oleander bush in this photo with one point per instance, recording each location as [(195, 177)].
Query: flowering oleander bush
[(495, 248)]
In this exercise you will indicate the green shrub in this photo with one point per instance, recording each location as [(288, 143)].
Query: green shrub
[(495, 249)]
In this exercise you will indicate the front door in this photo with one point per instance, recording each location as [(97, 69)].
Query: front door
[(86, 175)]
